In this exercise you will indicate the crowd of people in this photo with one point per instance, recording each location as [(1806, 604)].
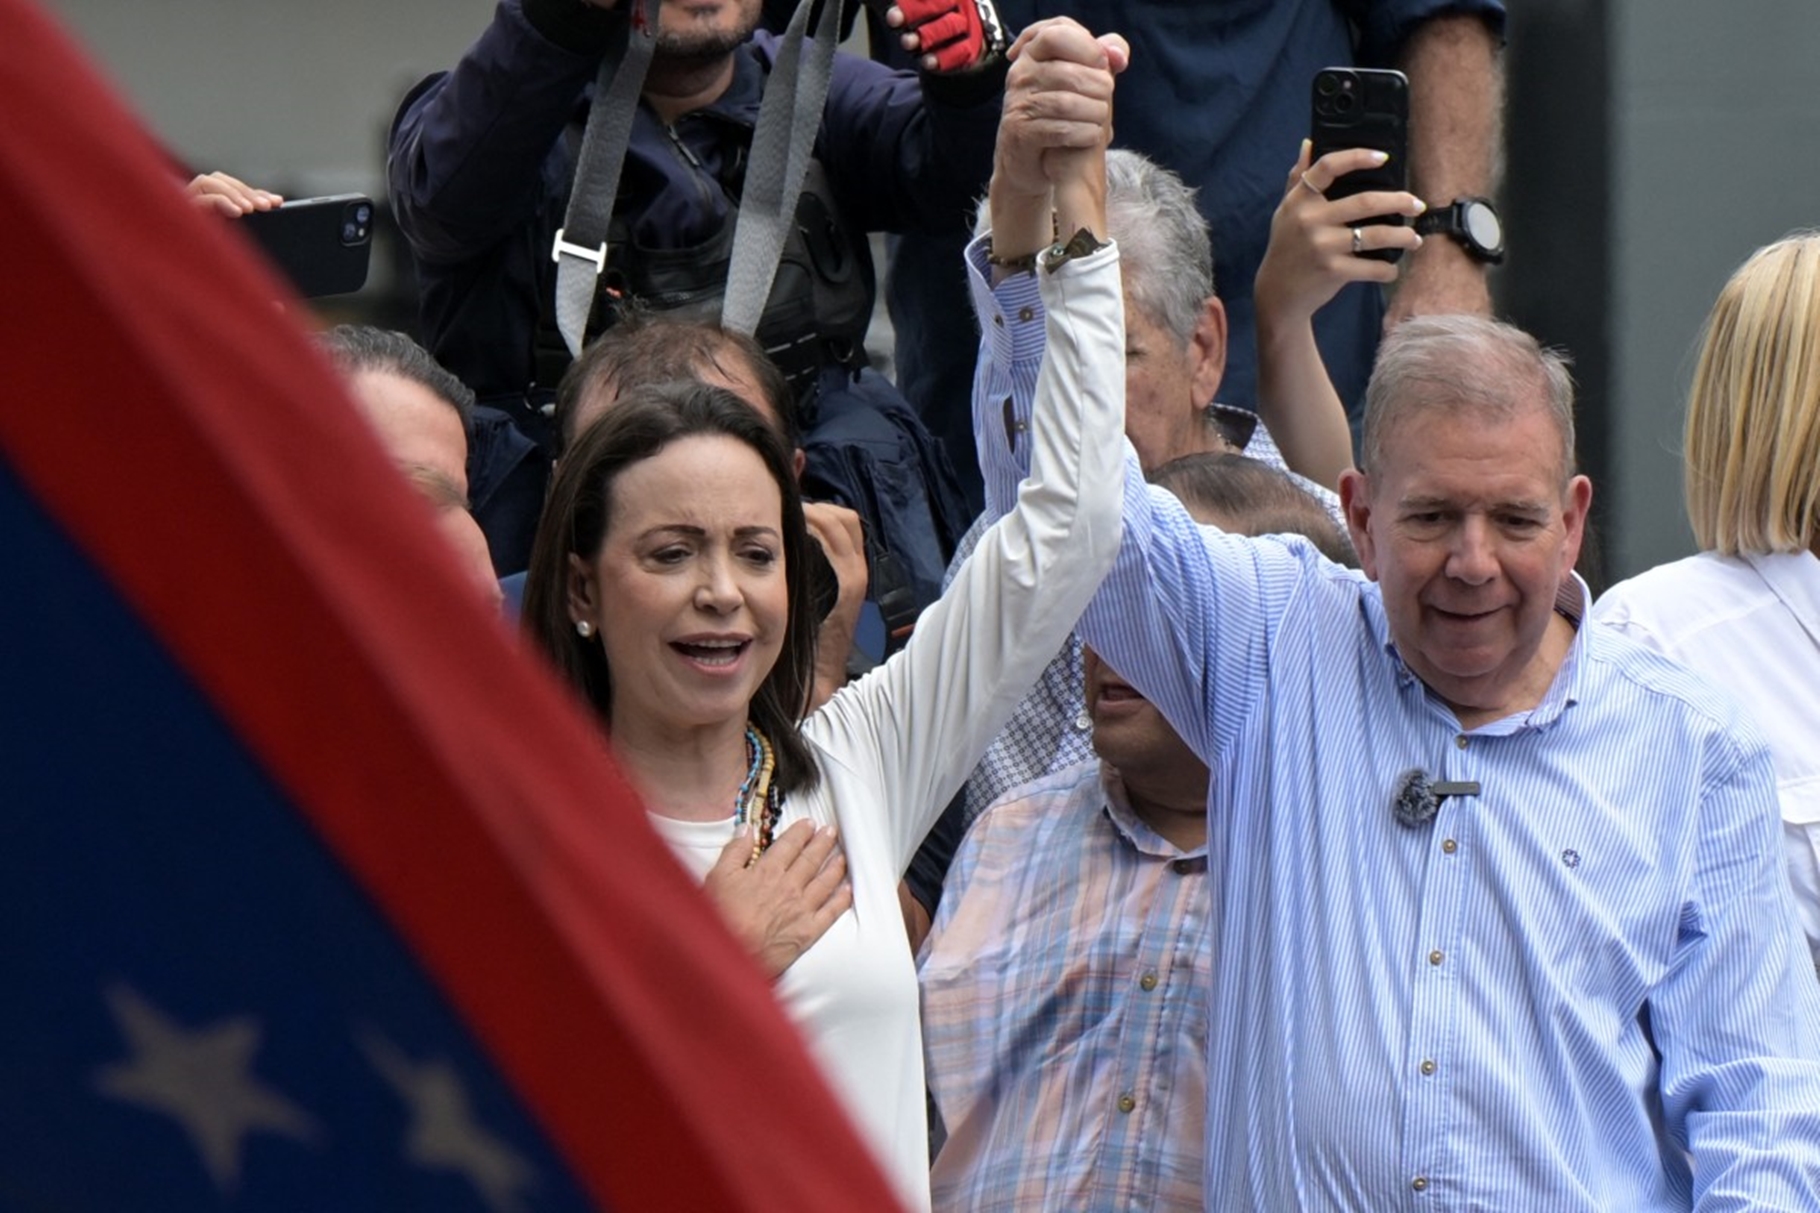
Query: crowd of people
[(1224, 820)]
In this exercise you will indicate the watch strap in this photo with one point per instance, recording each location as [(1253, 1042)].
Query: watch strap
[(1450, 221), (1083, 243)]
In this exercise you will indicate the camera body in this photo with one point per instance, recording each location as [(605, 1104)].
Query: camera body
[(1364, 107), (322, 245)]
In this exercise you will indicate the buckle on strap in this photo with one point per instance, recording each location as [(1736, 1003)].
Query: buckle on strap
[(597, 255)]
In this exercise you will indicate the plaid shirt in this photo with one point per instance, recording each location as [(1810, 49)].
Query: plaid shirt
[(1065, 993)]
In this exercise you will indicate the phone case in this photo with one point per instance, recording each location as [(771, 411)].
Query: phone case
[(1364, 107), (321, 244)]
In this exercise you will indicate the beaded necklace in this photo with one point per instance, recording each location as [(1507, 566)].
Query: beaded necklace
[(758, 790)]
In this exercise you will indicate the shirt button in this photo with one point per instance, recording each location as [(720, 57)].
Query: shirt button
[(1419, 1183), (1126, 1103), (1026, 314), (1147, 982), (1449, 845), (1460, 741), (1428, 1066), (1083, 722), (998, 320), (1182, 867), (1436, 957)]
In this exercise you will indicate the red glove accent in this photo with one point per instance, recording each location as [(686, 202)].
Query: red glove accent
[(948, 29)]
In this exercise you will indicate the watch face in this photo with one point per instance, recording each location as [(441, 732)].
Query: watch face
[(1482, 225)]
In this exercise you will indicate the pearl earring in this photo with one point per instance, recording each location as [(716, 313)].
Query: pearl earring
[(583, 628)]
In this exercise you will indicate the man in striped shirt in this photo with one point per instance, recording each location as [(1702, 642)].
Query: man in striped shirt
[(1498, 916)]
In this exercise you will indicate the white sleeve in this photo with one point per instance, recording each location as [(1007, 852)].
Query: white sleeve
[(929, 712)]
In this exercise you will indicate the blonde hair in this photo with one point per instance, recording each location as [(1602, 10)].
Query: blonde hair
[(1753, 414)]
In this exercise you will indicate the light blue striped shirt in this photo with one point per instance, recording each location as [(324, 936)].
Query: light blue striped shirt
[(1579, 990)]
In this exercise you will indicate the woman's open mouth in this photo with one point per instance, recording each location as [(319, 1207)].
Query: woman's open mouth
[(715, 654)]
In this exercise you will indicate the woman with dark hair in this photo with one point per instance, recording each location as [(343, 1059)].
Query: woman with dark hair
[(706, 426), (667, 584)]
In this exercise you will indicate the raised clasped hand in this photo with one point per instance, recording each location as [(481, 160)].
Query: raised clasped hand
[(1058, 100)]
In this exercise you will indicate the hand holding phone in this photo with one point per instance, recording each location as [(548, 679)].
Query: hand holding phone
[(228, 196), (1319, 243), (1364, 108)]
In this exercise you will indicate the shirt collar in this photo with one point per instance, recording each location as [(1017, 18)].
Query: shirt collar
[(1571, 599), (1794, 578), (1235, 424), (1130, 827)]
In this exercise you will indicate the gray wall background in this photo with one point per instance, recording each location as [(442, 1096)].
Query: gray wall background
[(298, 94), (1653, 144), (1714, 141)]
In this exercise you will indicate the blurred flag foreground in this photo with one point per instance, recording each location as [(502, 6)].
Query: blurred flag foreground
[(314, 893)]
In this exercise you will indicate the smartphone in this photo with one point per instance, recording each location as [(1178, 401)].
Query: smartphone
[(1364, 107), (321, 244)]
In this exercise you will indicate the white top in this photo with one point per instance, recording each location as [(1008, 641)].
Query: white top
[(895, 746), (1751, 624)]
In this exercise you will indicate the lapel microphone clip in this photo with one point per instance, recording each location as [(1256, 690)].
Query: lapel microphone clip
[(1418, 798)]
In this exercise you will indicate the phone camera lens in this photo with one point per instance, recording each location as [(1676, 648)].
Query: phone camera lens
[(350, 232), (1344, 103), (1326, 85), (363, 215)]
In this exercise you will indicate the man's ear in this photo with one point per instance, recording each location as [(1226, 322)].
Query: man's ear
[(1355, 500), (1575, 509), (1207, 351), (582, 603)]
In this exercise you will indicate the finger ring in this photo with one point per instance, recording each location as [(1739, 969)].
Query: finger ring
[(1358, 241), (1311, 187)]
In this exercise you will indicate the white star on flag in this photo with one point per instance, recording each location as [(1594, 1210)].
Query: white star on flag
[(443, 1133), (201, 1080)]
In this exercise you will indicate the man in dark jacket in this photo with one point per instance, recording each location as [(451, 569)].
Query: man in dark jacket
[(482, 159)]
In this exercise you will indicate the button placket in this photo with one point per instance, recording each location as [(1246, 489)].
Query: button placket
[(1439, 920)]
